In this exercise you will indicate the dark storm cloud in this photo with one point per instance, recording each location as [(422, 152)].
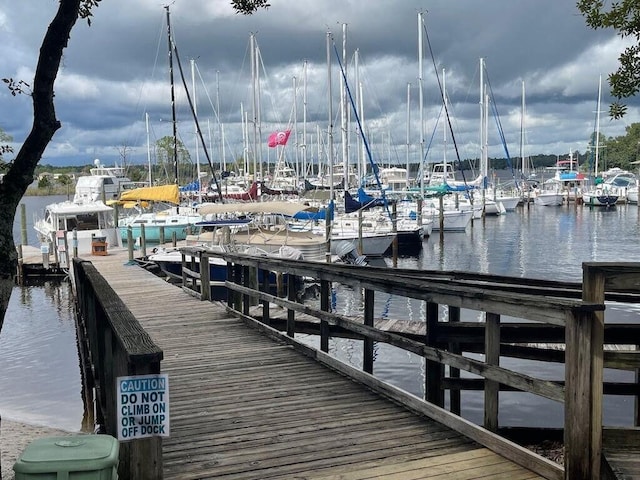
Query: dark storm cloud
[(115, 71)]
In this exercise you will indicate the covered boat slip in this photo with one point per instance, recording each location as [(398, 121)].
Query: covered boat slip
[(245, 404)]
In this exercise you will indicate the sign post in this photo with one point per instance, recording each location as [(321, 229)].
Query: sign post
[(143, 406)]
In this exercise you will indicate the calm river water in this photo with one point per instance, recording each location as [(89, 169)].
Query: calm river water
[(40, 376)]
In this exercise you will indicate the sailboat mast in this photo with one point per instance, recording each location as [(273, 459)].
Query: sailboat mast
[(254, 99), (597, 142), (330, 127), (408, 130), (523, 167), (173, 100), (482, 122), (329, 217), (344, 111), (195, 125), (304, 119), (146, 117), (421, 103)]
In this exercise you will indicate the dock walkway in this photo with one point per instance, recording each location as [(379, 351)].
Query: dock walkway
[(244, 406)]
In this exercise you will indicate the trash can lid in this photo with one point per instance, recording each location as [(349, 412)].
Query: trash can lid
[(68, 453)]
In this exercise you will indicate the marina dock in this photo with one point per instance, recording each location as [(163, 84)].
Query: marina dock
[(246, 406), (249, 400)]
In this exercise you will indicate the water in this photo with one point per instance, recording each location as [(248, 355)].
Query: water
[(40, 369), (540, 242), (40, 380)]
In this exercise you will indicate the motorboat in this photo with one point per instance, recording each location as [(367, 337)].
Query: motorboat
[(549, 194), (104, 184), (70, 225), (601, 195)]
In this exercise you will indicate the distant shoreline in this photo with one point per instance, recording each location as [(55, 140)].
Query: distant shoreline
[(54, 190)]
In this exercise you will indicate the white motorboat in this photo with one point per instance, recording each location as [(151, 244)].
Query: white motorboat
[(66, 223), (104, 184), (549, 195), (601, 195), (78, 223)]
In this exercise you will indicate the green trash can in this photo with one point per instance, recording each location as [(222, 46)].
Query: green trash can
[(79, 457)]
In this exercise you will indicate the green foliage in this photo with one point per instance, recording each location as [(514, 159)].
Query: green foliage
[(623, 17), (247, 7), (4, 149), (85, 9), (16, 86), (621, 151), (45, 183), (65, 180)]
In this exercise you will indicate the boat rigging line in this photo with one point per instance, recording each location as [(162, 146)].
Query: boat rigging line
[(193, 112)]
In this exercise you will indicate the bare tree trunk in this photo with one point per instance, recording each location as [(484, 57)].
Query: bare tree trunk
[(20, 174)]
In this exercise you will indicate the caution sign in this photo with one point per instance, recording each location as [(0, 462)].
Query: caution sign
[(143, 406)]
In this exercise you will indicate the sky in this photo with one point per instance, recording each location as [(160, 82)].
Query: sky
[(113, 92)]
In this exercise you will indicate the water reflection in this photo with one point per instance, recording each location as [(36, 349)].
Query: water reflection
[(40, 371)]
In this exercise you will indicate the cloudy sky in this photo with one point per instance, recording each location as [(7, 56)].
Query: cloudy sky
[(115, 73)]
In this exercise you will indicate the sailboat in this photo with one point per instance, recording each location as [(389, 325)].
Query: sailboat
[(600, 194), (158, 208)]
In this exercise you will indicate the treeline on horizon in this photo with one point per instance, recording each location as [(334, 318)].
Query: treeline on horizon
[(621, 151), (140, 172)]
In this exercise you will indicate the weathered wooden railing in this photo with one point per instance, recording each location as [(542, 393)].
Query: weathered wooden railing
[(113, 344), (567, 313)]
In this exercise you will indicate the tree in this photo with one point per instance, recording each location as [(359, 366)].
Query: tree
[(45, 183), (624, 17), (66, 181), (4, 149), (20, 173), (165, 154)]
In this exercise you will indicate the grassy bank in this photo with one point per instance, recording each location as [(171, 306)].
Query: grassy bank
[(34, 191)]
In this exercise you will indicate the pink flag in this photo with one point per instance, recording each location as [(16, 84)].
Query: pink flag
[(278, 138)]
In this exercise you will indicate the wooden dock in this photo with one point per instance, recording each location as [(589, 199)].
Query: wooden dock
[(245, 406)]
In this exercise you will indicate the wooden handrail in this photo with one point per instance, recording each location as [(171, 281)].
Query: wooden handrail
[(575, 310), (117, 346)]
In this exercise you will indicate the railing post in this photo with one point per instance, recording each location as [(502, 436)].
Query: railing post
[(492, 357), (583, 411), (130, 243), (265, 288), (230, 278), (325, 290), (74, 242), (360, 245), (454, 347), (161, 235), (246, 281), (584, 340), (291, 314), (394, 228), (237, 279), (367, 357), (205, 281), (433, 370), (143, 240)]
